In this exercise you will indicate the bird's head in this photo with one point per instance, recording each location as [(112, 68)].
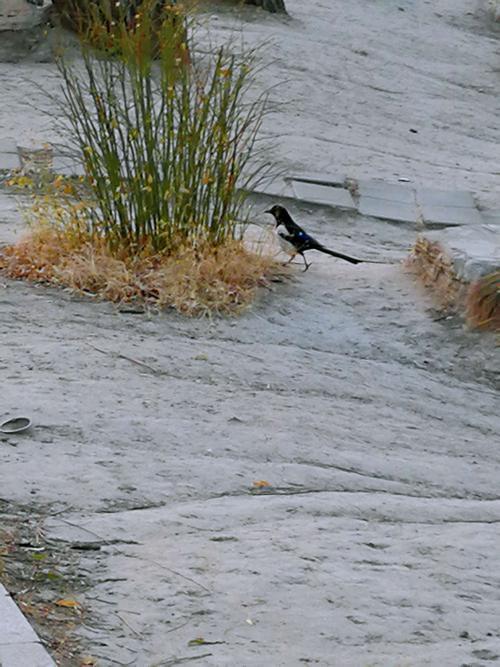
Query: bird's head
[(279, 212)]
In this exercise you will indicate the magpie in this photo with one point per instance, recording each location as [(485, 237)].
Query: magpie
[(295, 241)]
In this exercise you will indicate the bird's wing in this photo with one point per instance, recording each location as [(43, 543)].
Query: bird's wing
[(297, 236), (296, 239), (304, 241)]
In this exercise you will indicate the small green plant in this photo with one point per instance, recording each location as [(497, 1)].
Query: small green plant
[(167, 145)]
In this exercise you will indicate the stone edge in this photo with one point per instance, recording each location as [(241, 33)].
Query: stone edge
[(14, 617)]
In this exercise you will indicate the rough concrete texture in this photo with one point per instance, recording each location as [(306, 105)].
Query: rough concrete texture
[(345, 97), (19, 15), (373, 420), (23, 32), (494, 8), (374, 425), (12, 221), (475, 252)]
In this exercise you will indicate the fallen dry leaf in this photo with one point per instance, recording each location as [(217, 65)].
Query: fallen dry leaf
[(68, 602), (261, 484)]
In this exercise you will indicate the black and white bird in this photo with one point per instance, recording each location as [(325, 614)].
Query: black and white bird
[(295, 241)]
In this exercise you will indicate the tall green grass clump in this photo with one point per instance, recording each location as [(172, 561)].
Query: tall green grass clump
[(167, 142)]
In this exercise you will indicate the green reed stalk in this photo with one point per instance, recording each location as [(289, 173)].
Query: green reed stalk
[(168, 146)]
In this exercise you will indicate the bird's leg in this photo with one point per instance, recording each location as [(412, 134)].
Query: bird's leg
[(292, 257), (306, 264)]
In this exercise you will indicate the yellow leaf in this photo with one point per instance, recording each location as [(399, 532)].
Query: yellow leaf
[(68, 602), (261, 484)]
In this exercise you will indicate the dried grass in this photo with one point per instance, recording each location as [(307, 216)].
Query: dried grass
[(436, 270), (479, 301), (483, 303), (195, 281)]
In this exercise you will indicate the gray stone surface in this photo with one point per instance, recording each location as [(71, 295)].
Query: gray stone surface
[(12, 221), (9, 161), (19, 644), (388, 210), (400, 193), (450, 215), (23, 32), (317, 193), (374, 421), (275, 187), (324, 121), (14, 628), (491, 216), (382, 515), (475, 251), (24, 655), (447, 198), (18, 15)]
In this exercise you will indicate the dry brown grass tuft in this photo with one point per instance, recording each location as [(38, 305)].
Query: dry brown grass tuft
[(220, 280), (435, 268), (483, 303), (480, 301)]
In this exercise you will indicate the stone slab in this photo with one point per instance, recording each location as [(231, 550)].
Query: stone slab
[(491, 216), (21, 15), (25, 655), (9, 161), (317, 193), (12, 222), (388, 210), (449, 198), (274, 187), (396, 192), (14, 628), (474, 251), (450, 215)]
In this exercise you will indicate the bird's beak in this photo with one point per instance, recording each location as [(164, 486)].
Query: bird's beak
[(268, 211)]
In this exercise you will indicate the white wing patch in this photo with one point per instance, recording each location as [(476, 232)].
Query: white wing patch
[(285, 245)]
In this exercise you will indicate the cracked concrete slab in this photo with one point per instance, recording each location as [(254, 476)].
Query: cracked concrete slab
[(393, 192), (325, 195), (388, 210), (446, 198), (447, 216)]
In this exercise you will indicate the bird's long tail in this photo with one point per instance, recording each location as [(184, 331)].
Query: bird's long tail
[(352, 260)]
